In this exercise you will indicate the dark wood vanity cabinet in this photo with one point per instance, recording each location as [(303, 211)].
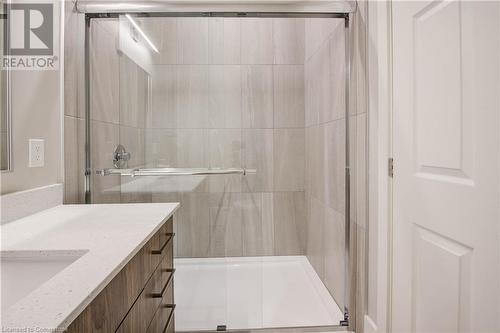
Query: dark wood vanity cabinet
[(140, 298)]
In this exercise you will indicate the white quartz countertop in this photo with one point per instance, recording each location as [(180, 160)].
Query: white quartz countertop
[(106, 237)]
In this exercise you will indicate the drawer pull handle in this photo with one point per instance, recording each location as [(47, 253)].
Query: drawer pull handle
[(170, 306), (170, 277), (160, 251)]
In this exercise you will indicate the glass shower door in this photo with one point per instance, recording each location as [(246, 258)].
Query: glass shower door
[(259, 249)]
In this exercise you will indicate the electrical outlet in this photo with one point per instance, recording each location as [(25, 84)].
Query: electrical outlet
[(36, 152)]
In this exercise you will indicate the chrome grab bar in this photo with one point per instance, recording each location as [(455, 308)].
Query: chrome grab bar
[(174, 172)]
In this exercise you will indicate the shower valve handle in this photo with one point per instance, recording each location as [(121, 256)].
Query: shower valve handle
[(121, 157)]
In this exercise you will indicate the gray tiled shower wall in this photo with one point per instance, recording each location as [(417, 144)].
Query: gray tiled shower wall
[(229, 93)]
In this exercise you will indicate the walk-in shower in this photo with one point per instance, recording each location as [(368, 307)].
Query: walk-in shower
[(239, 112)]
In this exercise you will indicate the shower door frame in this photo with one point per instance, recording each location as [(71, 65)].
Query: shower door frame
[(349, 310)]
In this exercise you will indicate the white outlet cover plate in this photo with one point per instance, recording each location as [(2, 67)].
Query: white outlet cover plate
[(36, 153)]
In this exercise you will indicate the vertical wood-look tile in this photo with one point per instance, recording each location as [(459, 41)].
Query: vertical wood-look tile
[(164, 97), (171, 197), (315, 247), (74, 138), (193, 233), (361, 276), (257, 224), (133, 190), (289, 96), (224, 41), (105, 137), (191, 96), (257, 96), (334, 247), (258, 156), (290, 225), (334, 159), (133, 93), (132, 138), (161, 148), (104, 75), (338, 79), (257, 41), (162, 31), (192, 148), (288, 40), (225, 152), (315, 164), (74, 51), (317, 32), (224, 97), (192, 40), (289, 159), (225, 225), (361, 170), (318, 87)]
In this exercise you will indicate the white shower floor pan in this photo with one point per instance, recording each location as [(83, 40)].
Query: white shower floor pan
[(251, 293)]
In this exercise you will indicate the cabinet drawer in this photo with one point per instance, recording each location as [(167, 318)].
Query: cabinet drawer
[(165, 312), (166, 229), (158, 292), (166, 239), (171, 325)]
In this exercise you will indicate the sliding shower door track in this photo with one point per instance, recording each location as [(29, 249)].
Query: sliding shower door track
[(305, 329)]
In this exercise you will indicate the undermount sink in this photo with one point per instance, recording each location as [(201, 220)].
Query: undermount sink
[(22, 272)]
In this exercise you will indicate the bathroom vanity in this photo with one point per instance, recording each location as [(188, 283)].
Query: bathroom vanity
[(105, 268)]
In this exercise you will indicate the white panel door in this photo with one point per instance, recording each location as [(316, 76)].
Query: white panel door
[(446, 150)]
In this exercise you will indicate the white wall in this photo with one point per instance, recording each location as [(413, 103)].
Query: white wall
[(36, 114)]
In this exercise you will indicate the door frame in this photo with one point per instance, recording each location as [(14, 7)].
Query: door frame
[(378, 315)]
